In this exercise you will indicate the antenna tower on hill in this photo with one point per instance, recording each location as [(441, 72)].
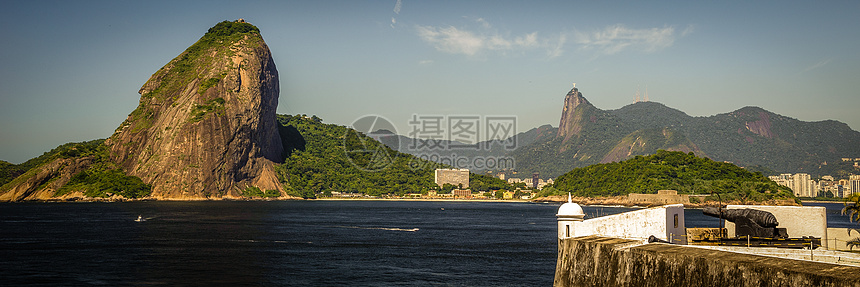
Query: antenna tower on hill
[(636, 97), (646, 93)]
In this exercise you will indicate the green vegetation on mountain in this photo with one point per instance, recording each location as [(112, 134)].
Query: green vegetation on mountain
[(754, 136), (325, 158), (69, 150), (479, 182), (101, 178), (215, 105), (253, 191), (8, 171), (20, 173), (104, 180), (184, 68), (679, 171), (321, 166), (190, 66)]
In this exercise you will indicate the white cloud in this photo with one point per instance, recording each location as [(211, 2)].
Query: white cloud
[(396, 11), (689, 30), (558, 49), (820, 64), (454, 40), (529, 40), (483, 23), (610, 40), (617, 38), (425, 62), (496, 42)]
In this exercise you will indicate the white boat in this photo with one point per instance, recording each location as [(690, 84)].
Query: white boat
[(139, 218)]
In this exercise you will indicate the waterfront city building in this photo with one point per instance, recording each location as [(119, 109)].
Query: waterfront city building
[(854, 186), (455, 177)]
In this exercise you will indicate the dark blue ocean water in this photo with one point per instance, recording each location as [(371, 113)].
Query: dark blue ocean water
[(287, 243)]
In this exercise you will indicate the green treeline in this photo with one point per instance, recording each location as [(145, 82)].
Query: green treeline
[(324, 158), (321, 166), (679, 171), (479, 182), (228, 28), (253, 191), (104, 181), (8, 171)]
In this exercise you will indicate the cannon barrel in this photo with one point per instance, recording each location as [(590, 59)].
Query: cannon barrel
[(762, 218)]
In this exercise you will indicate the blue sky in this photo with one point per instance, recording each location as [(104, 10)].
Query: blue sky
[(70, 70)]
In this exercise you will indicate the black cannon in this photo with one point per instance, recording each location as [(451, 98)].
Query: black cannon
[(749, 222)]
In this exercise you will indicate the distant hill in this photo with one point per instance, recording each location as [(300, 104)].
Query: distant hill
[(750, 136), (9, 171), (679, 171), (71, 171)]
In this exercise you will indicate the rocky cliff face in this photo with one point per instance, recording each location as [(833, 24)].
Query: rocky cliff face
[(206, 126), (572, 114), (648, 141)]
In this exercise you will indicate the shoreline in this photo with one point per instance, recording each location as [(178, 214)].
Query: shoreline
[(615, 201), (824, 201), (417, 199), (122, 199), (622, 201)]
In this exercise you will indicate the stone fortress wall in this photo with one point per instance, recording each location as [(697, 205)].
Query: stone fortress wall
[(612, 251)]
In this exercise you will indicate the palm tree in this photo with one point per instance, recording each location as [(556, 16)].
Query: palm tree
[(853, 211), (853, 241)]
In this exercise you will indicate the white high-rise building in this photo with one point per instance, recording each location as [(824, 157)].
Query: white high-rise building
[(456, 177), (782, 179), (854, 186), (801, 184)]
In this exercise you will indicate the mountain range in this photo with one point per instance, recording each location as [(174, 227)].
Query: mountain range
[(748, 137)]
